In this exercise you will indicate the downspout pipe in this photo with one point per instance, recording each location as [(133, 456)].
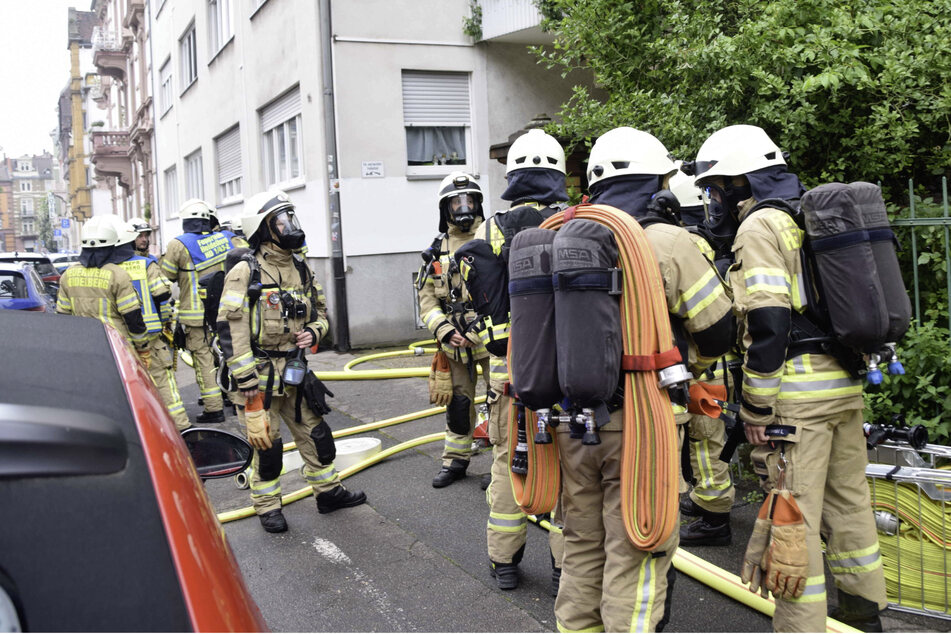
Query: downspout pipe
[(341, 322)]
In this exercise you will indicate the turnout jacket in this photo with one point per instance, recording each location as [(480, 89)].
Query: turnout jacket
[(107, 294), (768, 284), (256, 337), (185, 267), (444, 279)]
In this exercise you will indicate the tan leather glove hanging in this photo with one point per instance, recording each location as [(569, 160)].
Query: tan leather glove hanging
[(145, 356), (787, 559), (258, 423), (753, 571), (440, 380)]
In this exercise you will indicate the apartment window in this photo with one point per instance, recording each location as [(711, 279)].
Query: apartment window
[(165, 92), (28, 227), (282, 148), (188, 50), (220, 28), (436, 115), (26, 186), (228, 157), (194, 183), (171, 192), (26, 206)]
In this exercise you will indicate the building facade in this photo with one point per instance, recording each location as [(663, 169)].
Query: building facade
[(356, 108)]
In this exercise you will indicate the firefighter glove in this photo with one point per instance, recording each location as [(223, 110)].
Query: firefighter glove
[(145, 356), (787, 559), (259, 428), (440, 380), (753, 571)]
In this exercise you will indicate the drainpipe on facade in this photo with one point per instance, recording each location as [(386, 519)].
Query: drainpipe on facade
[(153, 219), (341, 322)]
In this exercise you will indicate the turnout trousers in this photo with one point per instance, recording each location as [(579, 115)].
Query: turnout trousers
[(163, 375), (507, 527), (714, 490), (204, 365), (606, 583), (458, 446), (266, 466), (825, 470)]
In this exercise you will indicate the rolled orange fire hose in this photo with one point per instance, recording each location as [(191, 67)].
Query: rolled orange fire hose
[(649, 484)]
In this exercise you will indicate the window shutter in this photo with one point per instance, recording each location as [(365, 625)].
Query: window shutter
[(281, 109), (228, 148), (435, 99)]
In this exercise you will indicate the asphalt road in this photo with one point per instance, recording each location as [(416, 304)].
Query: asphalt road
[(413, 558)]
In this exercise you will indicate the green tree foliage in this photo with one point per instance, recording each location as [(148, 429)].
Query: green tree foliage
[(853, 89), (44, 226)]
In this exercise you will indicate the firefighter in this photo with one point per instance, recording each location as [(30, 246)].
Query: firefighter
[(607, 584), (154, 291), (272, 309), (535, 171), (446, 311), (197, 252), (798, 404), (712, 495), (98, 288)]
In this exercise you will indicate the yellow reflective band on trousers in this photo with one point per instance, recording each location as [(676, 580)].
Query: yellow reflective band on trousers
[(508, 522), (641, 617), (707, 488), (855, 561), (269, 488), (598, 628), (814, 593), (703, 293), (319, 476), (463, 446)]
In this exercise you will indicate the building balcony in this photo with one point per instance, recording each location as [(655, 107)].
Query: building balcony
[(112, 155), (513, 22), (134, 14), (109, 56)]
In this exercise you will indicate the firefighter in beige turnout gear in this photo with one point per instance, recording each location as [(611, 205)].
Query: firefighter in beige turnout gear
[(98, 288), (154, 292), (608, 584), (535, 171), (798, 403), (711, 498), (192, 255), (270, 309), (445, 309)]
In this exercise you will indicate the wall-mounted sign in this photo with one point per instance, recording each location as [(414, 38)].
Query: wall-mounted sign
[(372, 169)]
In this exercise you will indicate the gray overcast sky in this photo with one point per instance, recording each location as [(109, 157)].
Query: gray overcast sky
[(35, 68)]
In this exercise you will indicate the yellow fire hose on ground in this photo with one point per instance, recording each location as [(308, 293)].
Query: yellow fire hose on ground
[(705, 572)]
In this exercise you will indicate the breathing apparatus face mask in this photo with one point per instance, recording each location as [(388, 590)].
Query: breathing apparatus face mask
[(721, 219), (286, 231), (462, 210)]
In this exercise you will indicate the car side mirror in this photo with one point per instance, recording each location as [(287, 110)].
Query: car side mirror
[(217, 453)]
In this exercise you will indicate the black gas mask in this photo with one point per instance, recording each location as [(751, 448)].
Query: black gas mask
[(286, 232), (462, 210)]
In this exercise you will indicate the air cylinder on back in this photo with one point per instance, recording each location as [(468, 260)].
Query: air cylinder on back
[(533, 365), (587, 312)]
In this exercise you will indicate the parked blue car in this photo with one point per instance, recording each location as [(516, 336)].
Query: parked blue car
[(21, 288)]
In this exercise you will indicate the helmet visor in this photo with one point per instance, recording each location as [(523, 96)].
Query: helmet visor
[(284, 223), (462, 205)]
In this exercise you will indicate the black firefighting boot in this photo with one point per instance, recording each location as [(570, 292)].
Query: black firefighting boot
[(710, 529), (485, 481), (689, 508), (447, 475), (210, 417), (339, 498), (507, 574), (858, 612), (273, 521)]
